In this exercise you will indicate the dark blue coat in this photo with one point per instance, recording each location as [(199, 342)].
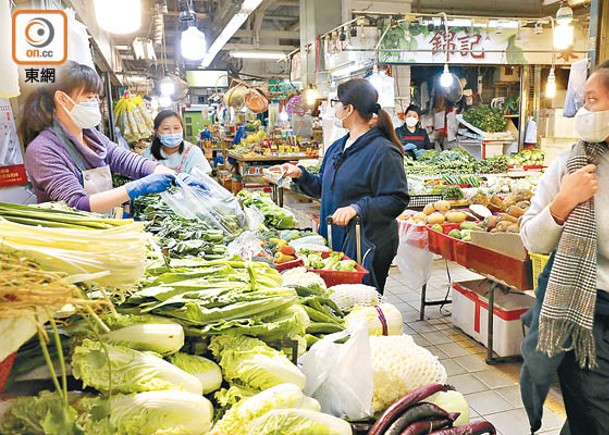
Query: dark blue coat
[(370, 176)]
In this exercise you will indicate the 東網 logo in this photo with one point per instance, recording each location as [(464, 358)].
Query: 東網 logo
[(40, 37)]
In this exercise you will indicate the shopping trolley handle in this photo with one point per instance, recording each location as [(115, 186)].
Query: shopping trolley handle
[(330, 221)]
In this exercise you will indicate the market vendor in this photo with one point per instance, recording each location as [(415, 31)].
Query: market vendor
[(411, 133), (569, 324), (170, 148), (362, 174), (67, 159)]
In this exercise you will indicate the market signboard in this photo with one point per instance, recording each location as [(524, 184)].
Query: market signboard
[(475, 45)]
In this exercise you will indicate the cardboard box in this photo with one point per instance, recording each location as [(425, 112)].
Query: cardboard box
[(470, 314), (504, 243)]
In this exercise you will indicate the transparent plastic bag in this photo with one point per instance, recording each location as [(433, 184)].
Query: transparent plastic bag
[(254, 218), (339, 376), (247, 246), (224, 200), (413, 258), (195, 203)]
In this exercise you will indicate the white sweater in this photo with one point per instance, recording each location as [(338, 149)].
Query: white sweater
[(540, 233)]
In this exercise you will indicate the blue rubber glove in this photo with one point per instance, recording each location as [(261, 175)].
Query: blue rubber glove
[(191, 181), (410, 147), (419, 152), (153, 183)]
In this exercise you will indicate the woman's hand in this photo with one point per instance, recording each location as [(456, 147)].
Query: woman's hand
[(343, 216), (575, 188), (291, 170)]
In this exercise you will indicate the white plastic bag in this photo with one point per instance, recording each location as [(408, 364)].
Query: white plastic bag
[(339, 376), (414, 260)]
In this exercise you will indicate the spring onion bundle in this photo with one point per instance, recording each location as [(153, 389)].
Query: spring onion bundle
[(56, 214), (112, 257)]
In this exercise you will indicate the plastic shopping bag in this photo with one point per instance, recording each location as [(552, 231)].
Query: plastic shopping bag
[(414, 260), (339, 376)]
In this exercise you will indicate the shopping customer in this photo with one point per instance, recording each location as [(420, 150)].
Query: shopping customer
[(411, 134), (570, 328), (67, 159), (362, 174), (170, 148)]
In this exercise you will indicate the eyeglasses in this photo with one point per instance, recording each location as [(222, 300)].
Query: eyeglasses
[(334, 101)]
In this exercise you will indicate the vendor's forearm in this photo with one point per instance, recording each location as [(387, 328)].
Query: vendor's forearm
[(162, 169), (104, 201)]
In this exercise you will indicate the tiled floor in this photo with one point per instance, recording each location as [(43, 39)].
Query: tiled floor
[(491, 391)]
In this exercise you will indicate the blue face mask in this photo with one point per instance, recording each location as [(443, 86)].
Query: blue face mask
[(171, 140)]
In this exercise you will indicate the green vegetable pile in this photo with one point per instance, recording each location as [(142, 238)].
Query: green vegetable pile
[(532, 157), (487, 119), (274, 216), (179, 236), (314, 260), (454, 161)]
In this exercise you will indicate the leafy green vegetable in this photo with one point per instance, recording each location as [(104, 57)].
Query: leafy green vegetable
[(299, 422), (42, 414), (237, 419), (334, 261), (155, 412), (117, 369), (274, 216), (207, 371), (487, 119), (228, 397), (253, 363)]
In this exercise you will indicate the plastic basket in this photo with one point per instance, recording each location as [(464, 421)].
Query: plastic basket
[(5, 370), (289, 264), (539, 262), (336, 277), (420, 201)]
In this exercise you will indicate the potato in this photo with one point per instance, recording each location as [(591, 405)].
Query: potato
[(429, 209), (503, 226), (507, 218), (513, 229), (456, 216), (490, 222), (515, 211), (435, 218), (419, 217), (442, 205)]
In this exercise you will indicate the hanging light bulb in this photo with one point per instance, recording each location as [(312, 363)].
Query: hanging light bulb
[(283, 115), (193, 44), (167, 87), (127, 20), (310, 96), (551, 84), (563, 36), (446, 79)]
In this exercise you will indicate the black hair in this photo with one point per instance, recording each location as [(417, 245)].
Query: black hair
[(72, 78), (364, 98), (413, 108), (155, 147)]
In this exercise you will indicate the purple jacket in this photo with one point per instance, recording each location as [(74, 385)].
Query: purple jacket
[(55, 176)]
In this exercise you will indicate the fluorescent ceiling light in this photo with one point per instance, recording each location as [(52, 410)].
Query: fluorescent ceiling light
[(233, 25), (276, 55), (250, 5)]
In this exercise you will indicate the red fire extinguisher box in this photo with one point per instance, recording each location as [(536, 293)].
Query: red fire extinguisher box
[(470, 314)]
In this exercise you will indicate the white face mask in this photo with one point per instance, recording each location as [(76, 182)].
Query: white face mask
[(340, 123), (86, 114), (593, 127), (411, 122)]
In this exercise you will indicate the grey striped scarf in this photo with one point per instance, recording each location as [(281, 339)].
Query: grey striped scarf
[(567, 313)]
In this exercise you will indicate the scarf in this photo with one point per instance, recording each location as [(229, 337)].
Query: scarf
[(567, 313)]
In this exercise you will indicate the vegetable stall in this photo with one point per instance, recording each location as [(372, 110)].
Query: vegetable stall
[(184, 324)]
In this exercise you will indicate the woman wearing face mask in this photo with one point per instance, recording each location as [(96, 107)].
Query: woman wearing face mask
[(568, 218), (411, 133), (170, 148), (362, 174), (68, 160)]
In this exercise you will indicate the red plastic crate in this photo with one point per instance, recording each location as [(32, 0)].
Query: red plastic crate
[(336, 277), (512, 271), (5, 370), (442, 244), (289, 265)]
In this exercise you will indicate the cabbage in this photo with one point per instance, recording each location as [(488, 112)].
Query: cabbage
[(154, 412), (207, 371), (372, 317), (300, 277), (299, 422), (228, 397), (163, 338), (236, 419), (253, 363), (132, 371)]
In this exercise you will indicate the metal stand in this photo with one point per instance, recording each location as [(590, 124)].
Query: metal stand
[(490, 360), (426, 303)]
